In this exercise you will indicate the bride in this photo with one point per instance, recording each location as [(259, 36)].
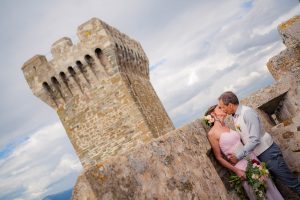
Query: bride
[(226, 141)]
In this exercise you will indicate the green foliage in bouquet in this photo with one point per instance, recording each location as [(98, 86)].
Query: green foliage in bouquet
[(236, 184), (256, 176)]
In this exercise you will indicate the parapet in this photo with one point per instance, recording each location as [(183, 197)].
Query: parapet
[(288, 61), (60, 46), (290, 32), (94, 28), (173, 166), (34, 71)]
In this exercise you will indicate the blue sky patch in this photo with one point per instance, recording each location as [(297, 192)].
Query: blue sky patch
[(6, 151), (247, 5), (155, 65)]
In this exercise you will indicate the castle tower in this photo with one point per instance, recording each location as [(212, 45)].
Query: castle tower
[(101, 91)]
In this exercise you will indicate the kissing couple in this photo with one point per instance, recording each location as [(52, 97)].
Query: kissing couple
[(248, 142)]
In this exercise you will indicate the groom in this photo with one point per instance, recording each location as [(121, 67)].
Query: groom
[(257, 140)]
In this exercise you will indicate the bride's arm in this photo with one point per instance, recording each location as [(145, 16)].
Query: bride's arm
[(214, 142)]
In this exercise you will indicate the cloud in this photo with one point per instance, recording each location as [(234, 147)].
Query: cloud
[(242, 81), (263, 30), (35, 165)]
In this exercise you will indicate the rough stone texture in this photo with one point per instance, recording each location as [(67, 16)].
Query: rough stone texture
[(101, 91), (290, 32), (83, 190), (288, 61), (173, 166), (278, 104)]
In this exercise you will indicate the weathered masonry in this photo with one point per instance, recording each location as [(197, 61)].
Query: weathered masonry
[(101, 91)]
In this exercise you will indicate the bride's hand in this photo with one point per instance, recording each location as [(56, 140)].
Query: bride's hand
[(232, 158), (241, 174)]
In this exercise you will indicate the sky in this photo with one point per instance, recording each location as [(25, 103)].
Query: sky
[(197, 49)]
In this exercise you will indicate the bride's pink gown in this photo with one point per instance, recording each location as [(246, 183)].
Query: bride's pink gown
[(230, 142)]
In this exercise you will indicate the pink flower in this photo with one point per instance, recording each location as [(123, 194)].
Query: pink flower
[(255, 176), (261, 179), (209, 119), (255, 161)]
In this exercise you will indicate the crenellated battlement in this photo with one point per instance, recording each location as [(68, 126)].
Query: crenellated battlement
[(61, 46), (101, 90), (102, 51)]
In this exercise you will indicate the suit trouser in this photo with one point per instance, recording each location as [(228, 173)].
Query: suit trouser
[(278, 168)]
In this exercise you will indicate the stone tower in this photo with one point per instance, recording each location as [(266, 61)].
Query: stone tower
[(101, 91)]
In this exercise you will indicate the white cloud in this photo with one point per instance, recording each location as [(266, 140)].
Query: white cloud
[(193, 78), (265, 29), (242, 82), (45, 158)]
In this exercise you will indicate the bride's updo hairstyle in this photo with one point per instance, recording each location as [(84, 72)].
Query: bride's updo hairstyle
[(206, 116), (210, 110)]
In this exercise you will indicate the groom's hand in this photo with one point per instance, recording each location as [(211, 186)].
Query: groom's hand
[(232, 158)]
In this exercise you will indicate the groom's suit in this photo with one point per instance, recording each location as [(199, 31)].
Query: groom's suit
[(256, 140), (251, 130)]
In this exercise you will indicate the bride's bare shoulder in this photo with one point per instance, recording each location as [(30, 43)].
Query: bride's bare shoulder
[(211, 134)]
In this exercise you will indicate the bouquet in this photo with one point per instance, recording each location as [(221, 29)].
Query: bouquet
[(256, 176), (209, 120)]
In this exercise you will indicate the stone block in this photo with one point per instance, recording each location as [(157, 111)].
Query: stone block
[(59, 47), (290, 32)]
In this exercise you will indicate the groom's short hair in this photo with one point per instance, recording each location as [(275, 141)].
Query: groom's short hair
[(229, 97)]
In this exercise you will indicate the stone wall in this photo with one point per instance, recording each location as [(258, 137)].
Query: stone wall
[(288, 61), (173, 166), (83, 190), (157, 118), (105, 122)]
